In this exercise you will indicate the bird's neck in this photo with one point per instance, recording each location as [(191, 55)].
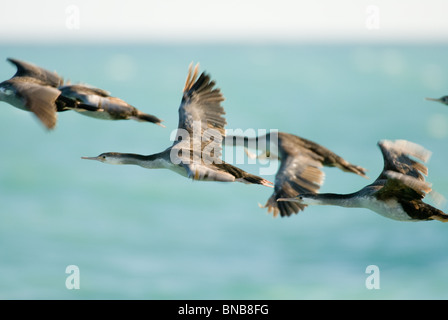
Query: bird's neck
[(342, 200), (261, 143), (154, 161), (239, 141)]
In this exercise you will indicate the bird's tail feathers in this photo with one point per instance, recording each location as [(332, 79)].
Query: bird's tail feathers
[(148, 118), (253, 179)]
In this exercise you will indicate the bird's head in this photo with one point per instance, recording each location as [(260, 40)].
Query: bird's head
[(443, 99), (298, 199), (6, 89), (107, 157), (302, 199)]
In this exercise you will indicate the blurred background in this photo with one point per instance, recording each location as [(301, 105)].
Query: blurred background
[(344, 75)]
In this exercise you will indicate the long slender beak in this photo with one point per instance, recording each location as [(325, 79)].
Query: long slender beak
[(90, 158), (432, 99), (295, 199)]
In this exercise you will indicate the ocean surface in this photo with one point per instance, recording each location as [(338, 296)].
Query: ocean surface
[(133, 233)]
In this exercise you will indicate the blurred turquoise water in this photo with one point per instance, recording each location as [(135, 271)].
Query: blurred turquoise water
[(152, 234)]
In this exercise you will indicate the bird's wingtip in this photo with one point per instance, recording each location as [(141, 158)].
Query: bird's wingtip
[(191, 77), (267, 183), (437, 198)]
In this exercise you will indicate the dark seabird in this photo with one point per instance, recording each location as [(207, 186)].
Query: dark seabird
[(98, 103), (300, 168), (44, 93), (397, 193), (33, 89), (196, 152)]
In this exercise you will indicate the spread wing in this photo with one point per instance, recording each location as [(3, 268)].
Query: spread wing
[(300, 170), (397, 155), (201, 117), (43, 76), (298, 173), (41, 101), (79, 91), (403, 175)]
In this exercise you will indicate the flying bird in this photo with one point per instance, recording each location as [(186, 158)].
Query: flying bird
[(33, 89), (397, 193), (300, 171), (98, 103), (44, 93), (196, 151)]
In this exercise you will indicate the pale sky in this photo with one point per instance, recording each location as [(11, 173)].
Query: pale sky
[(223, 21)]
